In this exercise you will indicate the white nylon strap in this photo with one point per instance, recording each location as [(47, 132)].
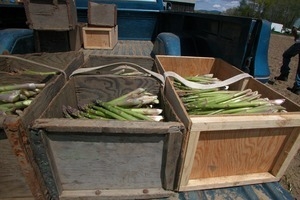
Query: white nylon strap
[(207, 86), (88, 69), (170, 74)]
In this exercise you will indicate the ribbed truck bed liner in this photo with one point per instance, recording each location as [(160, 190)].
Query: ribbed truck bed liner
[(124, 47)]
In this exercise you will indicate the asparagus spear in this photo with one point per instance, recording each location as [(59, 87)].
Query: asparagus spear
[(10, 107), (116, 110), (120, 100), (109, 113), (22, 86), (10, 96), (202, 102), (136, 114)]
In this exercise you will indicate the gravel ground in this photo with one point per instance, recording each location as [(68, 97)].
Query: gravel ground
[(278, 44)]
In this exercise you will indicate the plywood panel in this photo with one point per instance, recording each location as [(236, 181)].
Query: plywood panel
[(107, 161), (230, 153)]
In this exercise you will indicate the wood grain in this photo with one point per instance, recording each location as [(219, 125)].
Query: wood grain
[(112, 161), (12, 181), (100, 37), (229, 153), (51, 16), (101, 14)]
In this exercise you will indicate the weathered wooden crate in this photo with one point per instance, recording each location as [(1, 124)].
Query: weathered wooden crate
[(100, 37), (102, 14), (85, 158), (231, 150), (60, 15), (19, 175)]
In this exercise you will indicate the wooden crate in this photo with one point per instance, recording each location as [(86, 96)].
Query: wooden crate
[(19, 175), (231, 150), (107, 158), (101, 14), (51, 15), (100, 37)]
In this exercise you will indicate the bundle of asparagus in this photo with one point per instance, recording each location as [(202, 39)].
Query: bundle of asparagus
[(223, 101), (14, 98), (136, 105)]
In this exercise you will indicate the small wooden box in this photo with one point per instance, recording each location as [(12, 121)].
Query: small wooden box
[(100, 14), (51, 15), (100, 37), (231, 150)]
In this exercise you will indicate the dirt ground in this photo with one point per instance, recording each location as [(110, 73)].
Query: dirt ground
[(278, 44)]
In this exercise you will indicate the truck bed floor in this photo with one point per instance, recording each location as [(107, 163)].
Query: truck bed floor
[(124, 47)]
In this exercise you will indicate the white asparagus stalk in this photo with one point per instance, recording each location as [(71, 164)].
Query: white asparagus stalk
[(156, 117), (10, 96), (147, 111)]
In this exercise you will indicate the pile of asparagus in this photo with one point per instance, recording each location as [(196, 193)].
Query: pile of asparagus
[(223, 101), (14, 98), (136, 105)]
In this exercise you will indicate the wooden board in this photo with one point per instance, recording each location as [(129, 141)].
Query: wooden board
[(229, 150), (102, 14)]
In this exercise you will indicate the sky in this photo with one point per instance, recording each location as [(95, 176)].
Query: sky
[(216, 5)]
